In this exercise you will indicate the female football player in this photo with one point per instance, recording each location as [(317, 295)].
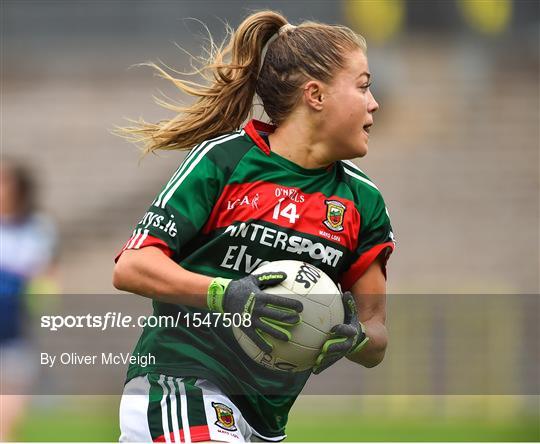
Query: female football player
[(246, 195)]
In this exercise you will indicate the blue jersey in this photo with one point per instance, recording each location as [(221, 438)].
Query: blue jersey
[(28, 247)]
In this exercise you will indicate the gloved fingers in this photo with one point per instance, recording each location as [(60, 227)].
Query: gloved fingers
[(283, 302), (361, 344), (324, 358), (336, 346), (281, 316), (269, 327), (258, 338), (349, 305), (343, 330), (269, 279), (324, 361)]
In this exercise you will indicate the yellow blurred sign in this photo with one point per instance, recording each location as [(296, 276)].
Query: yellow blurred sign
[(487, 16), (378, 20)]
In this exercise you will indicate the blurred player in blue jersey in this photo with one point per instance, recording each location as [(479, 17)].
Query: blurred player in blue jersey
[(28, 251)]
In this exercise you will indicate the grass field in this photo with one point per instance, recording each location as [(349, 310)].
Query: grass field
[(312, 420), (349, 429)]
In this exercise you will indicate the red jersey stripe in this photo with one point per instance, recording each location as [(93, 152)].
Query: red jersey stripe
[(198, 434), (349, 278), (252, 130), (149, 241), (308, 214)]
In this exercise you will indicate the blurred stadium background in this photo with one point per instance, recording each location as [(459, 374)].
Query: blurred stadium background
[(454, 149)]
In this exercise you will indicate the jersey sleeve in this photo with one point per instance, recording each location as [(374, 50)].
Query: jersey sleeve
[(375, 237), (181, 208)]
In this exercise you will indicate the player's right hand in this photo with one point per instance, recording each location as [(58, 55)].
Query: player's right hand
[(270, 314)]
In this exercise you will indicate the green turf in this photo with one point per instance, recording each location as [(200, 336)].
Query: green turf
[(345, 429), (61, 424), (97, 422)]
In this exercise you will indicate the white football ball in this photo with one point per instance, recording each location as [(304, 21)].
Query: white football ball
[(323, 308)]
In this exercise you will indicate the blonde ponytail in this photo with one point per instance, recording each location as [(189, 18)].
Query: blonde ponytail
[(222, 105)]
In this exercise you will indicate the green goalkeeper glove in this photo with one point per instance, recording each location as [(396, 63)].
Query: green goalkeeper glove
[(347, 338), (269, 313)]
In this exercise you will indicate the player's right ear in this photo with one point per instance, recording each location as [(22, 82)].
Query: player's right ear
[(314, 95)]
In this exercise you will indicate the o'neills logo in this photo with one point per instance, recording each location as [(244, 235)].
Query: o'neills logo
[(335, 211), (225, 417)]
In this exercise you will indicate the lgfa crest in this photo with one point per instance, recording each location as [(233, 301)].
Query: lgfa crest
[(225, 417), (335, 211)]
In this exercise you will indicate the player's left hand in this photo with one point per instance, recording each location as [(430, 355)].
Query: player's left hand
[(347, 338)]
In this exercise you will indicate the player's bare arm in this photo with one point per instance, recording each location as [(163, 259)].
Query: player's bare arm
[(149, 272), (370, 296)]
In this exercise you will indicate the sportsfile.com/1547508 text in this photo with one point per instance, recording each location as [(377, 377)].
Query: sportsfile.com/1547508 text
[(119, 320)]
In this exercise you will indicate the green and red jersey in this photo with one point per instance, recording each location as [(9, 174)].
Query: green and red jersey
[(232, 206)]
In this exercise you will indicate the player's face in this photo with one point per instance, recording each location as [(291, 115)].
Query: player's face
[(349, 107)]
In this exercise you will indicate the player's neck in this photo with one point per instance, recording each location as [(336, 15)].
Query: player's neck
[(296, 142)]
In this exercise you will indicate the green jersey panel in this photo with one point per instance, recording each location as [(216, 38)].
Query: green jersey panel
[(375, 236)]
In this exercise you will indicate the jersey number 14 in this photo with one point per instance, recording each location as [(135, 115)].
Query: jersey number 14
[(288, 212)]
